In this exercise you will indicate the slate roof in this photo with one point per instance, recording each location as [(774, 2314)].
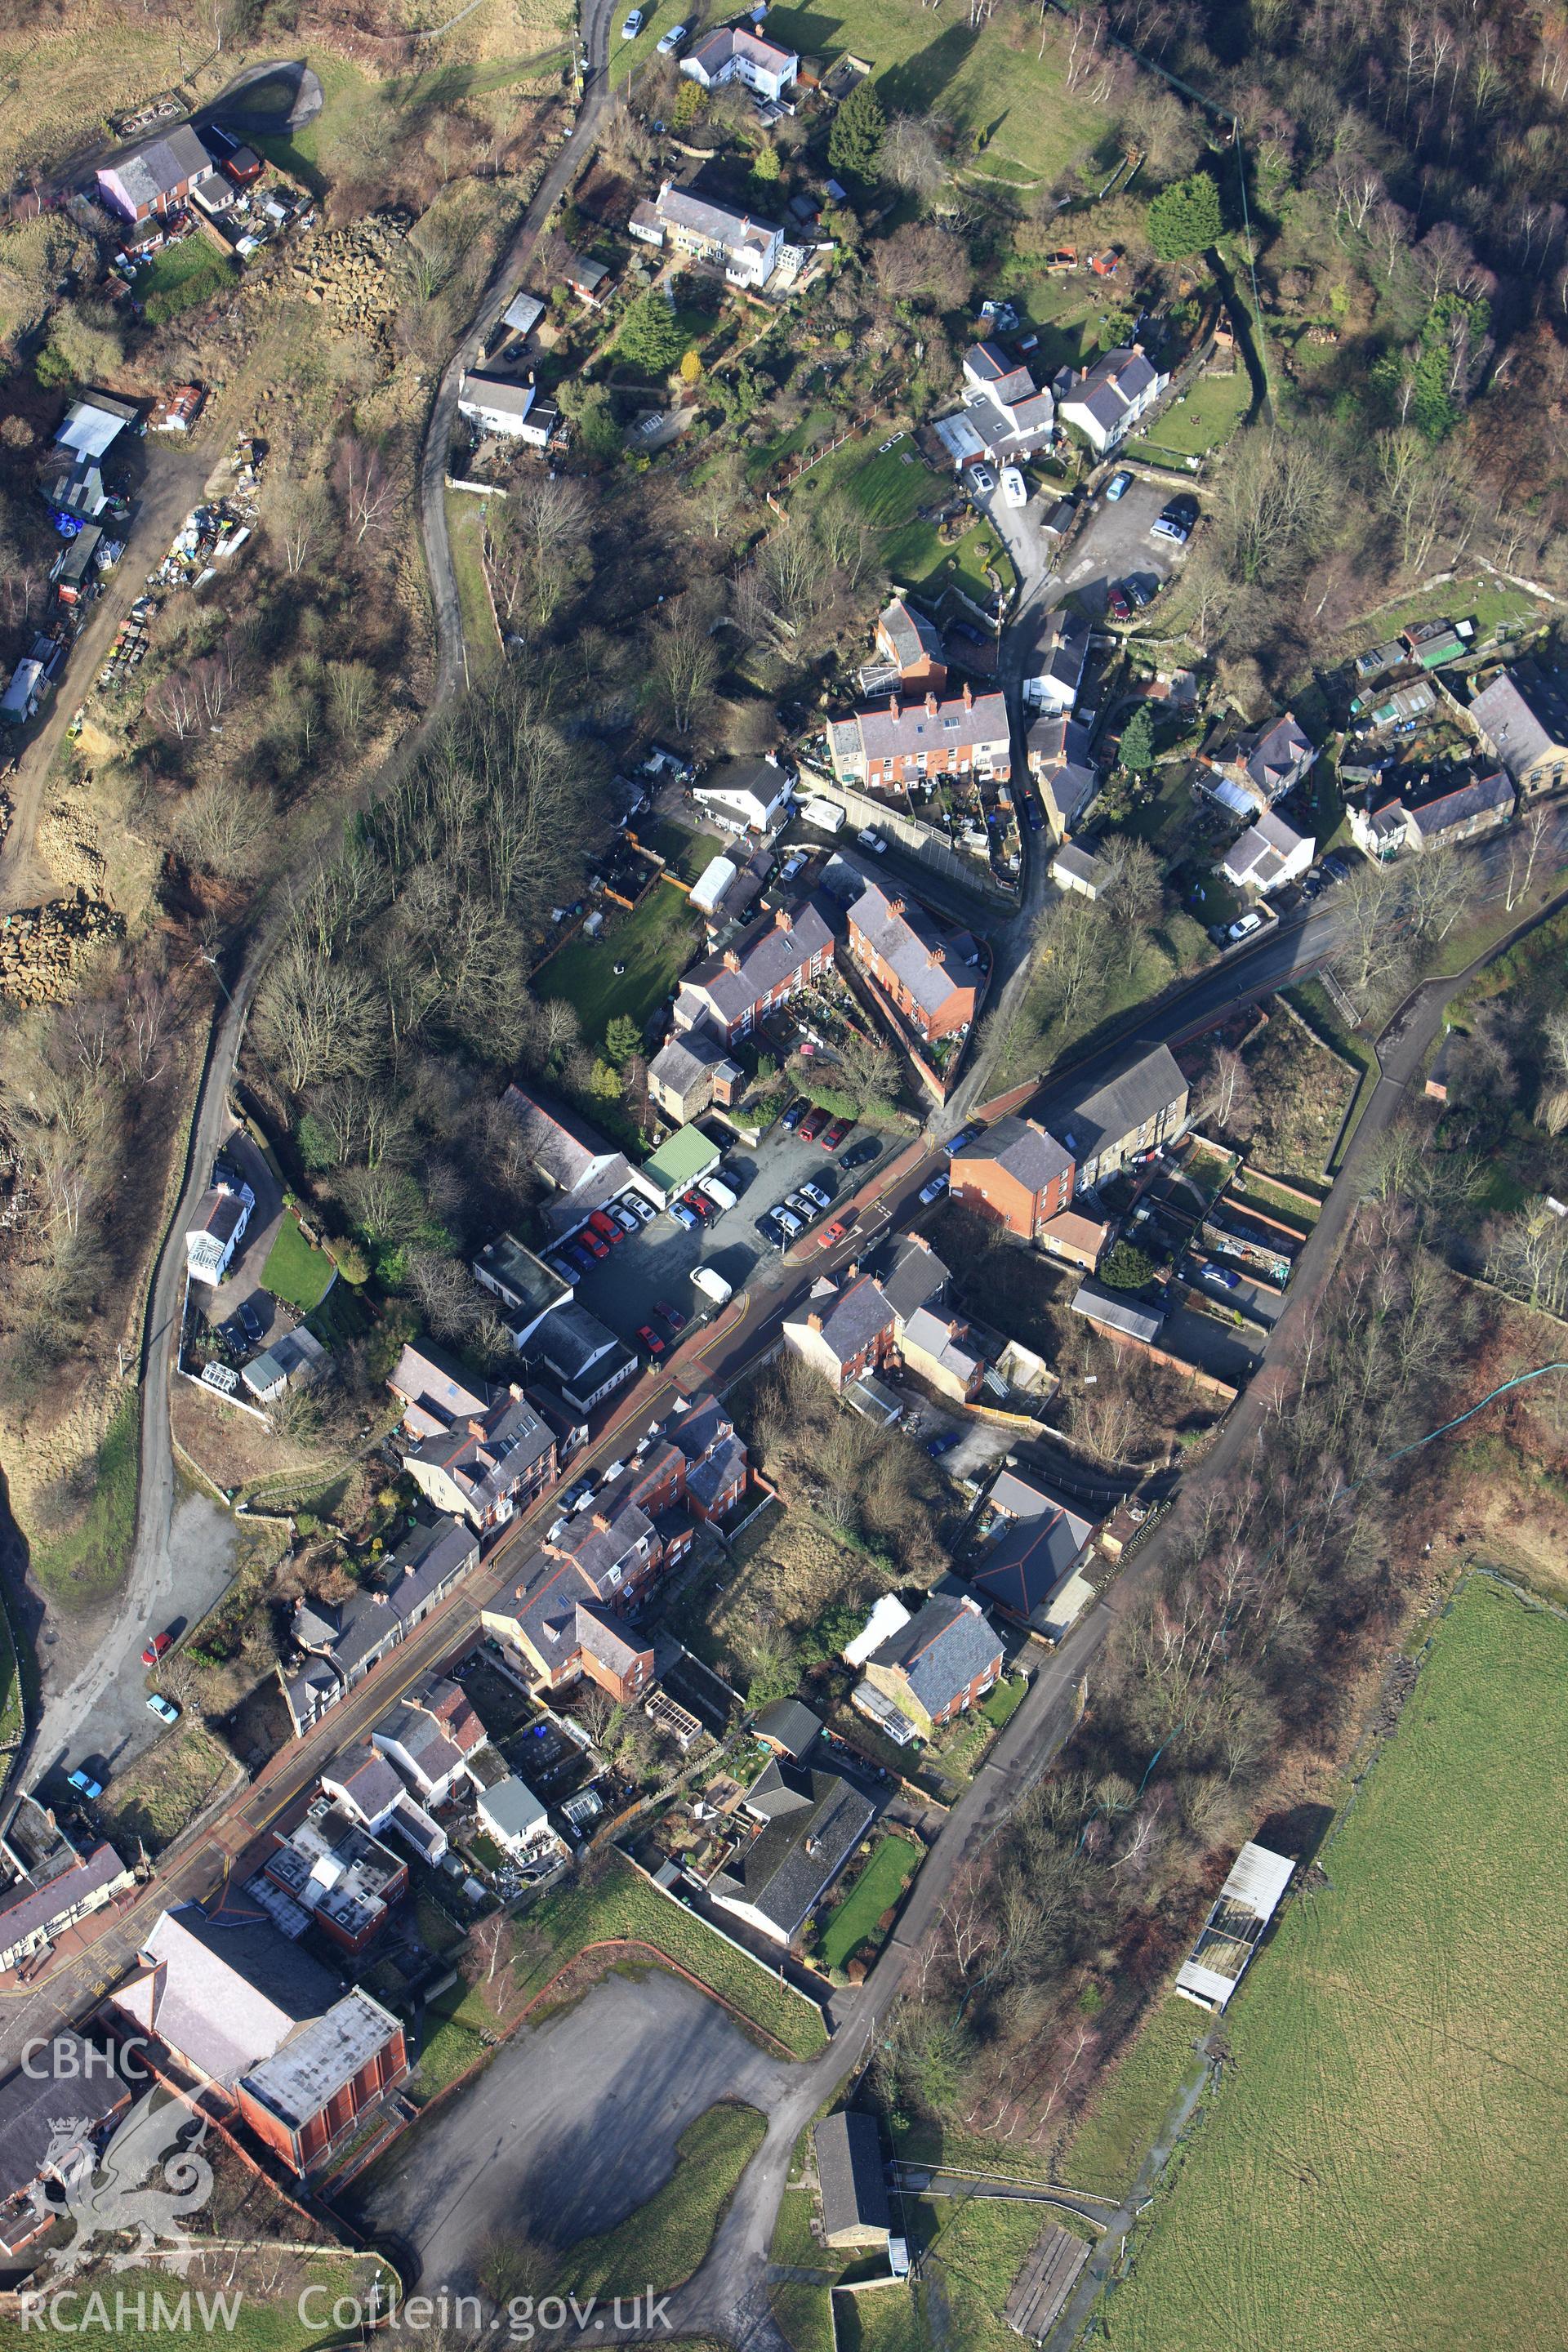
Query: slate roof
[(801, 1810), (913, 638), (437, 1389), (1111, 385), (1087, 1124), (710, 1478), (512, 1808), (686, 1058), (1276, 755), (500, 393), (1079, 866), (733, 40), (789, 1723), (931, 725), (433, 1556), (940, 1651), (229, 1989), (697, 1431), (1058, 748), (953, 1350), (26, 1909), (928, 958), (1025, 1149), (31, 2099), (157, 167), (1064, 650), (912, 1274), (560, 1147), (1524, 713), (524, 1280), (422, 1739), (1027, 1560), (1260, 853), (720, 224), (851, 1318), (485, 1467), (850, 2174), (1481, 796), (767, 961), (368, 1782), (221, 1213), (576, 1346), (987, 363), (1118, 1312)]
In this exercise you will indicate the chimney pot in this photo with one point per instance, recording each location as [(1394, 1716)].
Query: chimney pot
[(895, 906), (814, 1320), (931, 704), (892, 705), (786, 921)]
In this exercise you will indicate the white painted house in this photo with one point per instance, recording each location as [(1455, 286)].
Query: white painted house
[(499, 404), (735, 54), (221, 1221), (1268, 855), (1106, 401), (743, 795), (747, 250)]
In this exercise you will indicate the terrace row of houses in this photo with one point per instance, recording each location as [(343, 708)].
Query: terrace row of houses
[(1024, 1171)]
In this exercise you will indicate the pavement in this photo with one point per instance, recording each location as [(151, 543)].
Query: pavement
[(172, 486)]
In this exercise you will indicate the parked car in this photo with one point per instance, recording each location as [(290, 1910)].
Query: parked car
[(1183, 510), (650, 1338), (792, 1224), (1244, 927), (799, 1206), (795, 1113), (672, 1315), (943, 1445), (1165, 528), (983, 480), (575, 1496), (670, 42), (966, 1134), (605, 1227), (871, 841), (811, 1125), (833, 1234), (233, 1334), (1137, 595), (1311, 885), (1118, 604), (633, 25), (1335, 867), (642, 1210), (768, 1225), (833, 1136), (934, 1189), (596, 1248), (156, 1648), (700, 1206), (567, 1267), (163, 1708), (814, 1194), (85, 1784), (861, 1154), (684, 1216), (1117, 487), (1223, 1274), (578, 1257), (253, 1319), (624, 1219), (1032, 812), (1014, 488)]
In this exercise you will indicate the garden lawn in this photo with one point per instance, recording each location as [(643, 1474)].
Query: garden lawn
[(656, 942), (623, 1905), (180, 276), (684, 852), (663, 2242), (466, 537), (295, 1270), (879, 1888), (1201, 420), (1010, 98), (1375, 2168)]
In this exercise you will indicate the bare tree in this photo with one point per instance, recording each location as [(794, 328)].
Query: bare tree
[(684, 662), (364, 485)]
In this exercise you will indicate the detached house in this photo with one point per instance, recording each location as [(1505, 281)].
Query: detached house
[(1260, 767), (221, 1221), (933, 1668), (156, 176), (1006, 411), (736, 53), (691, 1073), (1036, 1542), (807, 1825), (1015, 1175), (844, 1331), (526, 1288), (1522, 719), (1106, 401), (1058, 750), (582, 1356), (489, 1467), (748, 251), (1268, 855), (509, 409), (925, 971), (909, 741), (744, 795), (728, 994)]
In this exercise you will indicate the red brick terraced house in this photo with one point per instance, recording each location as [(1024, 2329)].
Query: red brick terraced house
[(1016, 1174), (922, 969), (846, 1331), (728, 994), (909, 741)]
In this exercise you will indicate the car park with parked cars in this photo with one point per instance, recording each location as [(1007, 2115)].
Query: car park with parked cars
[(85, 1785), (1117, 488), (832, 1137)]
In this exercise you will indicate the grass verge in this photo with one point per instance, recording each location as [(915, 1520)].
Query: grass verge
[(295, 1269), (466, 536), (83, 1564), (664, 2241), (1103, 2156)]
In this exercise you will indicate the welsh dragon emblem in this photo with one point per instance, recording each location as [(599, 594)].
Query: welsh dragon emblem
[(105, 2198)]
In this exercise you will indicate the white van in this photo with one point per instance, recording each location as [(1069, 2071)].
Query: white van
[(718, 1192), (715, 1285)]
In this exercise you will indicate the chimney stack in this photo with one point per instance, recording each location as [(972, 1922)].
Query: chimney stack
[(731, 960), (895, 906), (968, 696), (931, 704), (812, 1320)]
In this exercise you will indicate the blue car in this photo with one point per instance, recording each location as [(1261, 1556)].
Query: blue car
[(1117, 488), (683, 1215), (86, 1785), (943, 1445)]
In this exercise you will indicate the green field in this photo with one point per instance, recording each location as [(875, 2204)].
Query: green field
[(924, 63), (656, 942), (295, 1270), (466, 537), (1378, 2169), (1200, 420), (180, 276), (878, 1889), (148, 2305), (1133, 2102)]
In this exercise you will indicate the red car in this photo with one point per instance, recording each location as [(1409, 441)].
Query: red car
[(832, 1137), (831, 1234), (672, 1315), (593, 1246), (698, 1204), (811, 1125), (1119, 605), (605, 1227), (156, 1647), (651, 1339)]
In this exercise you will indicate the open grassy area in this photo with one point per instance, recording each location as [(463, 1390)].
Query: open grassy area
[(140, 2308), (1103, 2156), (663, 2242), (180, 276), (79, 1565), (295, 1269), (466, 533), (656, 942), (164, 1790), (1200, 420), (878, 1889), (889, 487), (1371, 2170), (924, 63), (623, 1905), (684, 852)]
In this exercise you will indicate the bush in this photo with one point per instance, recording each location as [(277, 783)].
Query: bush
[(1126, 1268), (1184, 218)]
